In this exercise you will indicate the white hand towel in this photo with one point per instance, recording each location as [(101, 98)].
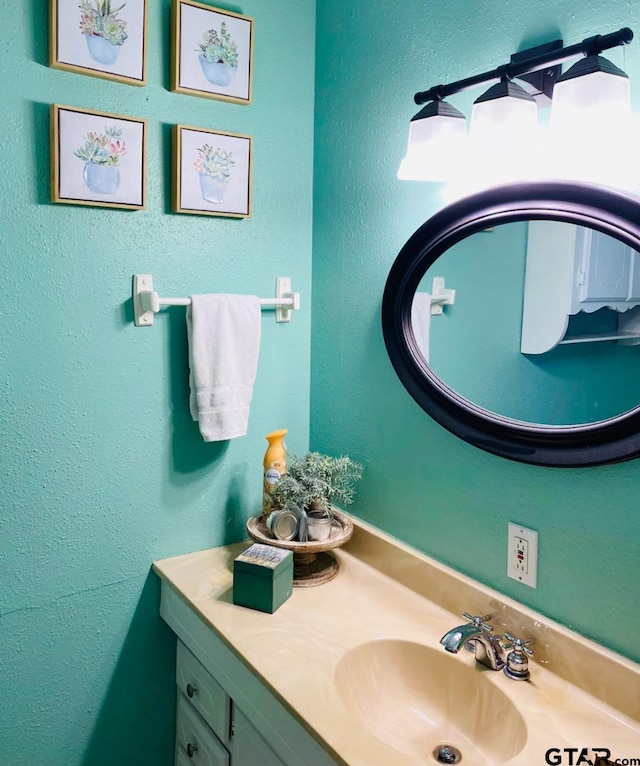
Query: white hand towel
[(421, 322), (224, 341)]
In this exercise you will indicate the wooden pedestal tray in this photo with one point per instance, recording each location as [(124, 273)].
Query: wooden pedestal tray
[(312, 565)]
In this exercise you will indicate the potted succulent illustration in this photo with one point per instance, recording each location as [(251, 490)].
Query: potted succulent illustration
[(312, 483), (213, 166), (104, 32), (101, 154), (218, 55)]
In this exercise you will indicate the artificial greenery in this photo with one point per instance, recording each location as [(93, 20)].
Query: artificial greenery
[(316, 480)]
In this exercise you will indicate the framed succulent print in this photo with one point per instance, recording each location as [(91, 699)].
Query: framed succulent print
[(97, 158), (212, 52), (103, 38), (211, 173)]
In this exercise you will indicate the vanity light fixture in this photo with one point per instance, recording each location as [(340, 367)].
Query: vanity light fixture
[(507, 107)]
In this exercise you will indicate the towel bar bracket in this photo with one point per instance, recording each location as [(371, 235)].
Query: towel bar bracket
[(143, 308), (283, 292), (441, 296), (147, 302)]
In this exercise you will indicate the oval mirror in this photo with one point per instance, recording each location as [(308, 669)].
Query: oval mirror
[(537, 355)]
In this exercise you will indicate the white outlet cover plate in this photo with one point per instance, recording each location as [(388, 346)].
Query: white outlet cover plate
[(525, 571)]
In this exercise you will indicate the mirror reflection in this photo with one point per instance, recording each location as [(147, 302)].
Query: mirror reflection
[(545, 326)]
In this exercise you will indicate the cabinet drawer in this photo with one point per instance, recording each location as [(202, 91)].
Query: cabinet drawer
[(204, 692), (196, 744)]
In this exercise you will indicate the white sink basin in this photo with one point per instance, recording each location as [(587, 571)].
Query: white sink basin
[(414, 699)]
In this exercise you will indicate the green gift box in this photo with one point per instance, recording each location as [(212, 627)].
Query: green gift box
[(263, 577)]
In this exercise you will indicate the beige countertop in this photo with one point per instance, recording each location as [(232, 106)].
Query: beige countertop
[(580, 695)]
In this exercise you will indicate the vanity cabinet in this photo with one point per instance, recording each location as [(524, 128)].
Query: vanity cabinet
[(203, 720), (225, 715), (249, 749), (572, 269), (203, 692), (195, 741), (352, 672), (210, 729)]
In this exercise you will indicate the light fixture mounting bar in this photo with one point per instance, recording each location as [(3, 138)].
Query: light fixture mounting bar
[(588, 47)]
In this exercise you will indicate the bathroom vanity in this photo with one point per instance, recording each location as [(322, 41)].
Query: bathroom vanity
[(226, 714), (352, 672)]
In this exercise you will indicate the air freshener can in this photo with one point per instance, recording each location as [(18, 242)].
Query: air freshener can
[(274, 466)]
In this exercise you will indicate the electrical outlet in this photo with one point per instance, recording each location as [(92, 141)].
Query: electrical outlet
[(522, 557)]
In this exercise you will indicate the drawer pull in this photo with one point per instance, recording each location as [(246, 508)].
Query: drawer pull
[(191, 749), (191, 690)]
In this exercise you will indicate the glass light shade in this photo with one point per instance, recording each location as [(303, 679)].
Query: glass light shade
[(503, 136), (593, 86), (505, 109), (590, 125), (436, 138)]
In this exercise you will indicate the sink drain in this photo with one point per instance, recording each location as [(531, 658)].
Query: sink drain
[(447, 754)]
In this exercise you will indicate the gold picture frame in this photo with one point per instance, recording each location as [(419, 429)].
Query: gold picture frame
[(212, 52), (100, 38), (211, 172), (97, 158)]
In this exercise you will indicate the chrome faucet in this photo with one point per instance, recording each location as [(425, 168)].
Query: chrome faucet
[(478, 635)]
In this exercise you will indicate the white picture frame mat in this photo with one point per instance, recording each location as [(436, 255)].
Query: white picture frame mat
[(72, 46), (236, 196), (72, 128), (194, 23)]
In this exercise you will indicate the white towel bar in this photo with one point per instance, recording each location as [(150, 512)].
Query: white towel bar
[(146, 302)]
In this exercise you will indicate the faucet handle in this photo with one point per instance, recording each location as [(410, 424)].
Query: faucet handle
[(519, 644), (479, 622), (517, 664)]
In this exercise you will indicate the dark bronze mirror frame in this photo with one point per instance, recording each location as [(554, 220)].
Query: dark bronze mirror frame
[(612, 212)]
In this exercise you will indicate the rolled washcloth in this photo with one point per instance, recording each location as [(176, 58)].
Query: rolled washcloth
[(224, 341)]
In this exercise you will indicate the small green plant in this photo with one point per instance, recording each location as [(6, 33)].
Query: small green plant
[(219, 48), (214, 162), (98, 17), (315, 481), (102, 148)]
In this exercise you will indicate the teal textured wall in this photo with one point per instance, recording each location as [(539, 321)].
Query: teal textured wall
[(102, 469), (422, 484)]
